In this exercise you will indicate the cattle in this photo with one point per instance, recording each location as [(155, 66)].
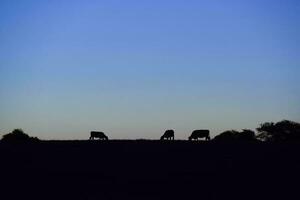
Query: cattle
[(198, 134), (168, 135), (98, 135)]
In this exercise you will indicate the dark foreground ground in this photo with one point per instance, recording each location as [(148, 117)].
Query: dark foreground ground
[(149, 170)]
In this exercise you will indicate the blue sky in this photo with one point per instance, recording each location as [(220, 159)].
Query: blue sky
[(136, 68)]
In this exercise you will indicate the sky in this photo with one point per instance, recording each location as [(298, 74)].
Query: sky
[(136, 68)]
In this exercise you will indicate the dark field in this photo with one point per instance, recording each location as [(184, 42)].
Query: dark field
[(149, 170)]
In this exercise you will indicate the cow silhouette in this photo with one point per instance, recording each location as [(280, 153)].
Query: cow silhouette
[(98, 135), (198, 134), (168, 135)]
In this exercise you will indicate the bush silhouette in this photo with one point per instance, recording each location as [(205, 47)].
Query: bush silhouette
[(282, 131), (233, 135), (18, 135), (247, 135), (227, 136)]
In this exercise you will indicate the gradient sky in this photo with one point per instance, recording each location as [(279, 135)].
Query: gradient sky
[(135, 68)]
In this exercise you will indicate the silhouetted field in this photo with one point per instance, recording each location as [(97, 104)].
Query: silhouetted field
[(149, 170)]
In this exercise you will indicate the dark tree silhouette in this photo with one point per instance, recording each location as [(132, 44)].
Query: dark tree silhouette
[(282, 131), (233, 135), (18, 135), (227, 136), (247, 135)]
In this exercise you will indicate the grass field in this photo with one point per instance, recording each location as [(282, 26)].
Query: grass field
[(149, 170)]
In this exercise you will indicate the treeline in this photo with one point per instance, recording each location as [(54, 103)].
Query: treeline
[(283, 131), (18, 135)]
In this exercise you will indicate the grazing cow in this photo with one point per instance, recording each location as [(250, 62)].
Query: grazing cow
[(168, 135), (198, 134), (99, 135)]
